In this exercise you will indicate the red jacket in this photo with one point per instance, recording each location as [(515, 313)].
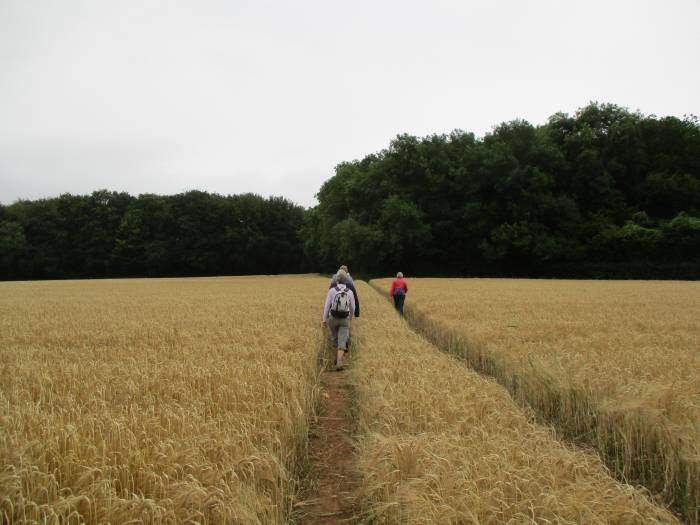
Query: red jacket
[(398, 283)]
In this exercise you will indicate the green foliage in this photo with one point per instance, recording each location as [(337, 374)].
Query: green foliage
[(12, 239), (604, 188), (115, 234), (13, 243), (355, 242), (405, 229), (681, 237)]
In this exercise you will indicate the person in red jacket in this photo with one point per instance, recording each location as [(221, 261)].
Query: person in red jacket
[(398, 292)]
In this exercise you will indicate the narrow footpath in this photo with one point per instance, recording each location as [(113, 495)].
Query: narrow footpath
[(332, 478)]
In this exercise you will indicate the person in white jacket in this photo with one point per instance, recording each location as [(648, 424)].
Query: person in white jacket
[(337, 315)]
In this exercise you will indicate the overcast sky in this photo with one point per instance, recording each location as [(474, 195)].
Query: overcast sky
[(268, 96)]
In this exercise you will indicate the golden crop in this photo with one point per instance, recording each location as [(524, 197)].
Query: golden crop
[(189, 400), (156, 401), (441, 444), (612, 363)]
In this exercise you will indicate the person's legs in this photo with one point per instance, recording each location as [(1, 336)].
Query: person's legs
[(399, 302), (346, 357), (339, 359), (343, 335), (333, 327)]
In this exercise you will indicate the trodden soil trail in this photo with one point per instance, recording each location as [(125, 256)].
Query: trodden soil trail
[(332, 478)]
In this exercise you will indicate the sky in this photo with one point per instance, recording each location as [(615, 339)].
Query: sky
[(269, 96)]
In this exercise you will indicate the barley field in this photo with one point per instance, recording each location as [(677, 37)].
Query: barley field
[(441, 444), (615, 364), (156, 400)]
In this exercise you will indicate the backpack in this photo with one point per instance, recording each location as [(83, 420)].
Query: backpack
[(340, 309)]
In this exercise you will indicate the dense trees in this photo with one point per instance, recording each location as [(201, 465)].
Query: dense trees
[(115, 234), (604, 192)]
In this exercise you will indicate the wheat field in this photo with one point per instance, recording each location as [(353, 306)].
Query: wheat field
[(189, 401), (615, 364), (440, 444), (156, 400)]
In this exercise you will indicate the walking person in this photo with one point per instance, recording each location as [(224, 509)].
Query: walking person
[(337, 315), (350, 283), (398, 292)]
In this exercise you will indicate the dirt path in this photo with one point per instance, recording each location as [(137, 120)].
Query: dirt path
[(332, 475)]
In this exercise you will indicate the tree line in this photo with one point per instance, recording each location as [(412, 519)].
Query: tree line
[(110, 234), (605, 192)]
